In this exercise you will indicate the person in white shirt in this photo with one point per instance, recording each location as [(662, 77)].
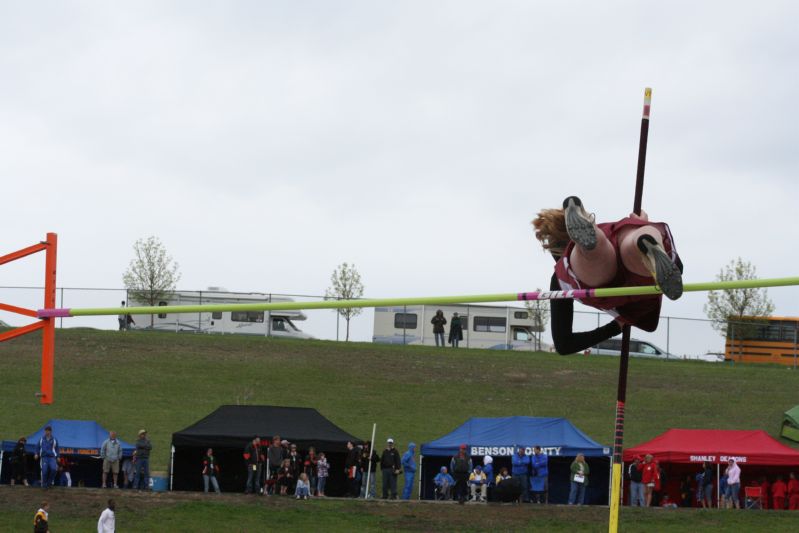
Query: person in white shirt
[(733, 484), (107, 522)]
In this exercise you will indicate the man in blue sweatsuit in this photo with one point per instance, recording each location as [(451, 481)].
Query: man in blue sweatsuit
[(47, 453), (409, 468), (521, 470)]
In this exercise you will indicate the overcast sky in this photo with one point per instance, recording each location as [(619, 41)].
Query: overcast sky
[(266, 142)]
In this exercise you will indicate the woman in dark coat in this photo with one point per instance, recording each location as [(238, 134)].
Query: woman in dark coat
[(19, 464), (455, 331)]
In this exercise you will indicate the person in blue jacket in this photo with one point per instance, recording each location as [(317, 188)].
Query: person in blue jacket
[(47, 453), (521, 470), (443, 483), (488, 470), (540, 471), (409, 469)]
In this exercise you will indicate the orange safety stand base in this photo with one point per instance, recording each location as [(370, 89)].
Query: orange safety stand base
[(47, 325)]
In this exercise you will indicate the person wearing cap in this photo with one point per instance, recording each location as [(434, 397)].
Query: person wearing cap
[(460, 465), (539, 468), (47, 453), (409, 469), (634, 472), (143, 448), (390, 466)]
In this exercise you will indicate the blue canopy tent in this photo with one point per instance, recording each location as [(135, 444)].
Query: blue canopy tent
[(78, 440), (500, 438)]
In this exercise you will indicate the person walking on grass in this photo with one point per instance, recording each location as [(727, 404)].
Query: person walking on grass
[(111, 454), (47, 454), (439, 322), (579, 480), (108, 520)]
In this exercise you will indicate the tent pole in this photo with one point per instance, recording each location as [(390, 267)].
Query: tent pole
[(421, 459), (369, 464), (171, 467)]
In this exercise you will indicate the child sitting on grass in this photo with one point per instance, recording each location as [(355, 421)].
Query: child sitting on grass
[(303, 489), (322, 467)]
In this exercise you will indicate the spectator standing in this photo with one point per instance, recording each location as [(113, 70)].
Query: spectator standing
[(439, 322), (322, 470), (275, 456), (309, 468), (369, 462), (723, 489), (409, 470), (252, 455), (793, 492), (390, 466), (539, 468), (122, 318), (108, 520), (733, 484), (579, 480), (488, 470), (19, 463), (461, 466), (41, 519), (478, 484), (649, 475), (443, 483), (284, 477), (765, 492), (351, 464), (111, 454), (303, 489), (778, 491), (210, 470), (143, 448), (47, 454), (455, 331), (296, 464), (634, 472), (520, 468), (707, 485)]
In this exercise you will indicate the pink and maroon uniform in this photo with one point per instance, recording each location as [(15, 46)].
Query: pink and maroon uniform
[(639, 311)]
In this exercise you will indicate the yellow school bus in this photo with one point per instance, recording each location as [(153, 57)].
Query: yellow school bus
[(763, 340)]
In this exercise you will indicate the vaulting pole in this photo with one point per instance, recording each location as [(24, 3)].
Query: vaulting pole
[(621, 393)]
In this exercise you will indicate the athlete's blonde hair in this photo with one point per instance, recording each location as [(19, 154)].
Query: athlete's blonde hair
[(550, 229)]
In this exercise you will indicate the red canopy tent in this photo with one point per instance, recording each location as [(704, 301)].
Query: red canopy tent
[(716, 446), (682, 451)]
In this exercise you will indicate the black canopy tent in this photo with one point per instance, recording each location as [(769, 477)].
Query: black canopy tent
[(228, 430)]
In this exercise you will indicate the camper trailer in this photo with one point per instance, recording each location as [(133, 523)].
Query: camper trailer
[(273, 324), (497, 328)]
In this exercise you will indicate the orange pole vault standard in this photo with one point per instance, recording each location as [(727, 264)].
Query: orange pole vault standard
[(47, 325)]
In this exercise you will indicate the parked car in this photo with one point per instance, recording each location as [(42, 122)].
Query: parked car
[(638, 348)]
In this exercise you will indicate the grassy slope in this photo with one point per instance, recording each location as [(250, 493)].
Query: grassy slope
[(165, 382)]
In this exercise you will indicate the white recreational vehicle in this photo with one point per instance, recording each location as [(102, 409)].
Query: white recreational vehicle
[(275, 323), (498, 328)]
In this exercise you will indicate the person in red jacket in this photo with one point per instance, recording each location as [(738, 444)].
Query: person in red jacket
[(793, 492), (253, 456), (778, 491), (650, 478), (765, 490)]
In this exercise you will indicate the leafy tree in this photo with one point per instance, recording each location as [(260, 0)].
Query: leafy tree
[(727, 308), (345, 284), (152, 273), (539, 317)]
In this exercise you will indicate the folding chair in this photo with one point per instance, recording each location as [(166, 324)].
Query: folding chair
[(752, 497)]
